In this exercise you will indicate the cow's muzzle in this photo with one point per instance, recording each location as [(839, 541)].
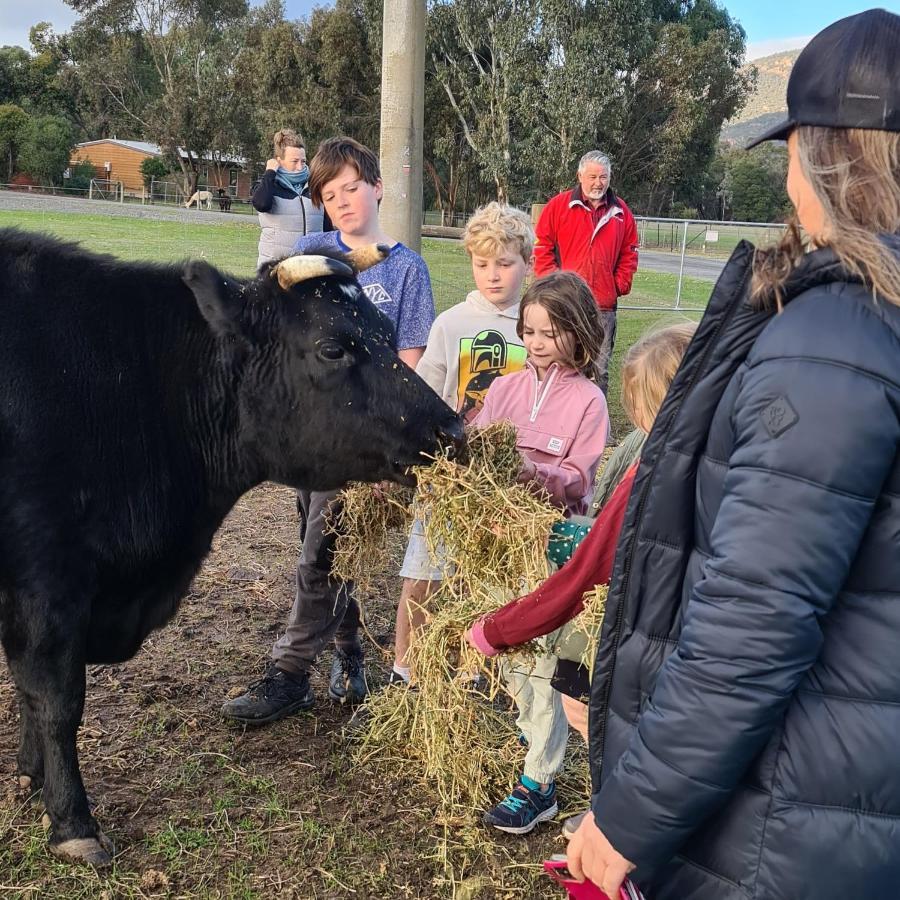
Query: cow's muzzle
[(451, 436)]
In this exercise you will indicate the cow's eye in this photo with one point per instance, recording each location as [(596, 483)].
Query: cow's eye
[(331, 351)]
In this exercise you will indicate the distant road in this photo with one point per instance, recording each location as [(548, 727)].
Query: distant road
[(694, 266), (22, 200)]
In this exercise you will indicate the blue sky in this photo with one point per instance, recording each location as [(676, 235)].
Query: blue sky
[(771, 25)]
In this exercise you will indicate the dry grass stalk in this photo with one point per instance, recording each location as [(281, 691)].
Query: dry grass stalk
[(370, 522), (589, 621), (492, 534)]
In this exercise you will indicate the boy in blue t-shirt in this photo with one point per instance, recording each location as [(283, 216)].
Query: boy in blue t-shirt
[(344, 178)]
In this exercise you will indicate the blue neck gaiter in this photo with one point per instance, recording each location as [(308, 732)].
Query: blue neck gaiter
[(293, 181)]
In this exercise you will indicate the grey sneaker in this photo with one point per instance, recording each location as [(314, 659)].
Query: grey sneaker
[(347, 683), (572, 824), (276, 695)]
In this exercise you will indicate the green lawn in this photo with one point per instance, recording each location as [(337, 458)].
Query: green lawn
[(232, 246)]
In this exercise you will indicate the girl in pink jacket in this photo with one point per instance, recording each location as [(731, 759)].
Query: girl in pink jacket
[(562, 422)]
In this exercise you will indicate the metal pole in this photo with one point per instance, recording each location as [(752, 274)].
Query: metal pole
[(402, 119), (681, 267)]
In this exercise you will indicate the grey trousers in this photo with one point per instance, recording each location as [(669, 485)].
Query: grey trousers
[(324, 608), (608, 320)]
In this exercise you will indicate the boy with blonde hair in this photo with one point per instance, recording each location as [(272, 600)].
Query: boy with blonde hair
[(468, 346)]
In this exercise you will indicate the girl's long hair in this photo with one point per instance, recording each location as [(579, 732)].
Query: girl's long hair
[(571, 308), (855, 174)]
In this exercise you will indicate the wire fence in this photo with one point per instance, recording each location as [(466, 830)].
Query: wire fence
[(679, 259)]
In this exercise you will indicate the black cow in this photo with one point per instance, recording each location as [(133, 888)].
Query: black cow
[(137, 403)]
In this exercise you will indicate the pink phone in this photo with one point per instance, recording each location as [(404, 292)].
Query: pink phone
[(558, 870)]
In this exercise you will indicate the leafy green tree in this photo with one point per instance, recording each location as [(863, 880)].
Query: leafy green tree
[(757, 184), (13, 120), (46, 145), (153, 167), (167, 67), (80, 176)]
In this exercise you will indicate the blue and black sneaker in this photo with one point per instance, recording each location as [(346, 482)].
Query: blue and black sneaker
[(522, 810)]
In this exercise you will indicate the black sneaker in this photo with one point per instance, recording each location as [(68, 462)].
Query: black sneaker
[(522, 810), (276, 695), (347, 683)]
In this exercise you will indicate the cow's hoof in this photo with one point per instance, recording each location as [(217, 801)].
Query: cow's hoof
[(96, 852), (28, 790)]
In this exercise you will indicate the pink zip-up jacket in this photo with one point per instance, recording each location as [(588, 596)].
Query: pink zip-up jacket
[(563, 426)]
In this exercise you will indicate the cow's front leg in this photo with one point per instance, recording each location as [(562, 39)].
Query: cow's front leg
[(30, 759), (48, 668)]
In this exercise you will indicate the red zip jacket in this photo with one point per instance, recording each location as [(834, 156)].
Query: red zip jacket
[(604, 255), (561, 597)]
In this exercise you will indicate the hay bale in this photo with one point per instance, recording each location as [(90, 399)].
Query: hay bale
[(493, 533), (370, 522)]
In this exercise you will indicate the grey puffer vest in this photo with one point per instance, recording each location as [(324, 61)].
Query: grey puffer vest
[(284, 224)]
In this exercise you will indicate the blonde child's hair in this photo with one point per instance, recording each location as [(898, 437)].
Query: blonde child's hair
[(496, 228), (571, 308), (284, 138), (648, 369)]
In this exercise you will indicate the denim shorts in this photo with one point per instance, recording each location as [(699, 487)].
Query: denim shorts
[(418, 563)]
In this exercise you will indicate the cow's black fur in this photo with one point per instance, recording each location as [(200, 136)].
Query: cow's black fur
[(139, 402)]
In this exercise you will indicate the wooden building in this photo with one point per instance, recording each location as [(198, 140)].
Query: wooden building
[(117, 160)]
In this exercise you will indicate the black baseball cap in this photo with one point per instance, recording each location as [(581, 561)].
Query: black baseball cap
[(847, 76)]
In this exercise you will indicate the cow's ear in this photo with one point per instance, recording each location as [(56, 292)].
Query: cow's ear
[(219, 299)]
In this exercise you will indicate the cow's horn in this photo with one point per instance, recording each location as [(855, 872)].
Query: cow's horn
[(365, 257), (295, 269)]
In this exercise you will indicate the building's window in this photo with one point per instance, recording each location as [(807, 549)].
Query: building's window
[(232, 182), (204, 174)]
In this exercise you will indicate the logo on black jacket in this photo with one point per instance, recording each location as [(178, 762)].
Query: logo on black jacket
[(778, 416)]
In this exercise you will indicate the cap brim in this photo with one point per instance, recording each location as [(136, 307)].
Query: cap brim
[(778, 132)]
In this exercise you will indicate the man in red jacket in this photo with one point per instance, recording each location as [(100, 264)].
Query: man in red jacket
[(589, 230)]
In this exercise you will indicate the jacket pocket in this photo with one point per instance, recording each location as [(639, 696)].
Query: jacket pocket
[(536, 440)]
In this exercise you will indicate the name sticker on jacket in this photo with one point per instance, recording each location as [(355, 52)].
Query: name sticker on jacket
[(554, 445)]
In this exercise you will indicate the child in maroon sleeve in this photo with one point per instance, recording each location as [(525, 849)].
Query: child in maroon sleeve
[(562, 425), (647, 372)]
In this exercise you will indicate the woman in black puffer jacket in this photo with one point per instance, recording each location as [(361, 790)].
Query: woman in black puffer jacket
[(745, 708)]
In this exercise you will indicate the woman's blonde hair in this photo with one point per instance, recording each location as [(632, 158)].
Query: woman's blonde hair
[(284, 138), (571, 308), (496, 228), (855, 174), (648, 369)]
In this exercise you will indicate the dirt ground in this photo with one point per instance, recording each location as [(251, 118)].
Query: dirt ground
[(200, 808)]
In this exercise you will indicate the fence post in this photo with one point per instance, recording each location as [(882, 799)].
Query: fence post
[(681, 267)]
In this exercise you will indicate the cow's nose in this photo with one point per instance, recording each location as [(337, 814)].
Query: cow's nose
[(452, 436)]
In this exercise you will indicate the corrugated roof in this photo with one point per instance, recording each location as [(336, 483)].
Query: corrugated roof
[(155, 150), (140, 146)]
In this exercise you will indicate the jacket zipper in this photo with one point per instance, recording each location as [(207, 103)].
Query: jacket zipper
[(645, 489), (541, 395)]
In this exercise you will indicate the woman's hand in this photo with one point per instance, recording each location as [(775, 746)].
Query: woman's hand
[(467, 634), (271, 163), (592, 856)]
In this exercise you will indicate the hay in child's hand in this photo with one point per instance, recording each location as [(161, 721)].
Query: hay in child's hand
[(493, 534), (369, 521)]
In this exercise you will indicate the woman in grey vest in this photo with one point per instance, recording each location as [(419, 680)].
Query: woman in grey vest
[(281, 198)]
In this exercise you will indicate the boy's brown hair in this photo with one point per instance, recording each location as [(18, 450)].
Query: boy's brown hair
[(332, 156), (571, 308)]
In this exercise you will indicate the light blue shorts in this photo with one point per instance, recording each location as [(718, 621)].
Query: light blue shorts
[(418, 563)]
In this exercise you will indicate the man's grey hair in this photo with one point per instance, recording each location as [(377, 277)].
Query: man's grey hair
[(595, 156)]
